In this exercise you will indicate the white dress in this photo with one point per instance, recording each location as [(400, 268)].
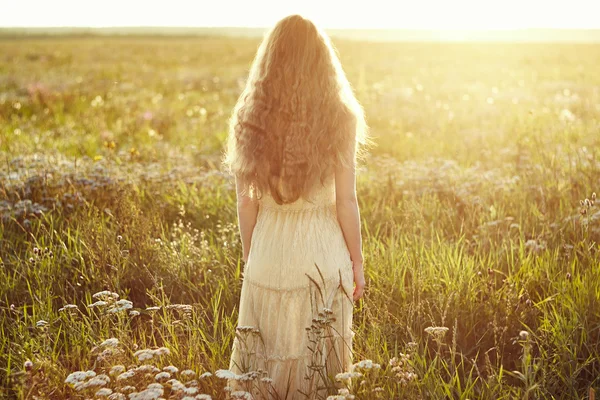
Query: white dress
[(283, 294)]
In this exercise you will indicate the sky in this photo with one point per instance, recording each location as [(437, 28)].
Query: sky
[(388, 14)]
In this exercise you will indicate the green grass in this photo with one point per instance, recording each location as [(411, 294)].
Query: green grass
[(109, 159)]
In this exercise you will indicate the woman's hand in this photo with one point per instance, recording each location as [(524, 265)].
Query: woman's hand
[(359, 280)]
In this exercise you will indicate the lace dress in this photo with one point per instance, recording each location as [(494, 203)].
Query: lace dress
[(295, 311)]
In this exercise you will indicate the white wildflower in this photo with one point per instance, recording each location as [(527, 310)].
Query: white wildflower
[(67, 307), (226, 374), (240, 394), (437, 331), (171, 369), (143, 355), (116, 370), (162, 351), (97, 381), (112, 342), (162, 376), (99, 303), (190, 391), (103, 392), (343, 376), (105, 295), (126, 375), (148, 394), (205, 375), (134, 313), (188, 373), (41, 323), (147, 368), (77, 376), (128, 389), (117, 396), (155, 385)]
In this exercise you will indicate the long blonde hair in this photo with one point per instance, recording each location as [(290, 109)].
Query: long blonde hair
[(297, 118)]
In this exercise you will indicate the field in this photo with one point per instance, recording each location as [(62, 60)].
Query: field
[(476, 203)]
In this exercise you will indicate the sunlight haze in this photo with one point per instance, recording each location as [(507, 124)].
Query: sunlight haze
[(429, 14)]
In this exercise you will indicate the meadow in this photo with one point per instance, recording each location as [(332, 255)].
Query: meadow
[(119, 250)]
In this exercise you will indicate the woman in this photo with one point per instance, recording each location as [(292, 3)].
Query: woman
[(293, 140)]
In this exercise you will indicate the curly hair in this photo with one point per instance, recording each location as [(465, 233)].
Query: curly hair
[(297, 118)]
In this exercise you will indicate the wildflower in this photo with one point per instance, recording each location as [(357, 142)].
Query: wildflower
[(147, 369), (437, 331), (524, 335), (77, 376), (153, 308), (240, 394), (162, 351), (266, 380), (162, 376), (143, 355), (41, 323), (248, 376), (112, 342), (99, 303), (366, 364), (171, 369), (96, 381), (134, 313), (128, 389), (188, 374), (225, 374), (120, 305), (117, 396), (105, 294), (126, 375), (103, 392), (28, 365), (147, 394), (343, 376), (175, 385), (191, 391), (203, 397), (116, 370), (67, 307), (155, 385)]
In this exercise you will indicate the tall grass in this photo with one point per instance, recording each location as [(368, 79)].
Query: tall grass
[(482, 263)]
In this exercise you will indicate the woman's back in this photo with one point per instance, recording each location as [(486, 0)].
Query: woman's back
[(298, 266), (292, 240)]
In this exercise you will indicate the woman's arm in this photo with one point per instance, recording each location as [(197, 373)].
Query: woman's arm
[(247, 210), (349, 219)]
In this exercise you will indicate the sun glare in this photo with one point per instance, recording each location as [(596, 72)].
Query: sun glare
[(425, 14)]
